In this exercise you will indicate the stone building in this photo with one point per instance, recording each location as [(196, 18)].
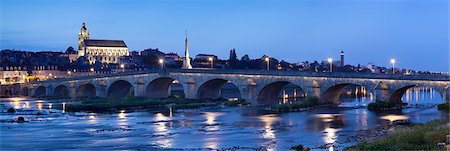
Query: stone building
[(12, 75), (103, 51)]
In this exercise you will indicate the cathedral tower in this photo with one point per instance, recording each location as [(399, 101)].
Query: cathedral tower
[(83, 35)]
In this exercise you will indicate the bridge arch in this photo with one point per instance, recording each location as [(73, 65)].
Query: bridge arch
[(211, 89), (160, 87), (332, 93), (86, 90), (40, 91), (269, 92), (120, 89), (425, 93), (61, 91)]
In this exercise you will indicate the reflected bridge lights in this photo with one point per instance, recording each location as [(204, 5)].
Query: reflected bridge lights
[(268, 120), (162, 130), (330, 137), (39, 106), (122, 120), (27, 104), (16, 101), (210, 123), (122, 114), (63, 107), (92, 118)]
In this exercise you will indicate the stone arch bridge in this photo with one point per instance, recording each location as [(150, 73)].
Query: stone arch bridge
[(257, 87)]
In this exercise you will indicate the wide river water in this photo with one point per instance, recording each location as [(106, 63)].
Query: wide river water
[(205, 129)]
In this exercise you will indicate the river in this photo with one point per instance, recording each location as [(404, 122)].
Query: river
[(204, 129)]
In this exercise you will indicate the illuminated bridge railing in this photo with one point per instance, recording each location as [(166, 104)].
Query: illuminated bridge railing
[(272, 73)]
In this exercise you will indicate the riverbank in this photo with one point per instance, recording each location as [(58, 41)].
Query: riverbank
[(307, 104), (415, 137), (105, 104)]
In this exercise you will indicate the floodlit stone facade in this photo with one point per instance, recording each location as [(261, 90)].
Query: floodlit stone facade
[(103, 51)]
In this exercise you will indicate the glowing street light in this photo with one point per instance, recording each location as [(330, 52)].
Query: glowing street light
[(267, 59), (393, 61), (92, 69), (161, 62), (330, 61), (211, 60), (122, 66)]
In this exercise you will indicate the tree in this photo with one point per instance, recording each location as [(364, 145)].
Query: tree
[(70, 50), (245, 58), (233, 62), (150, 60), (233, 55)]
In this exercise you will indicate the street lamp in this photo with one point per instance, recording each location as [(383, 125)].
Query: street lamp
[(92, 69), (393, 65), (122, 66), (330, 61), (267, 59), (161, 62), (211, 60)]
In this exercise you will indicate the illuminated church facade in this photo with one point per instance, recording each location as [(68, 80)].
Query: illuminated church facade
[(103, 51)]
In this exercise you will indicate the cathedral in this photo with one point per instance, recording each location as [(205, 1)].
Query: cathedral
[(104, 51)]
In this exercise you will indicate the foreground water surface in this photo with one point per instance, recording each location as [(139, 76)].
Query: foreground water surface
[(49, 127)]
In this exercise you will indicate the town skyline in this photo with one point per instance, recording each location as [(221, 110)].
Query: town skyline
[(224, 75), (291, 47)]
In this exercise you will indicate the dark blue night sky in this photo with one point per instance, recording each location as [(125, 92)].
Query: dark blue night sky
[(415, 32)]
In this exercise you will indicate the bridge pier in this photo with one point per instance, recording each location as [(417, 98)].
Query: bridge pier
[(312, 91), (139, 89), (31, 91), (189, 90), (101, 91), (49, 90), (381, 94), (445, 94), (72, 91), (250, 94), (25, 91)]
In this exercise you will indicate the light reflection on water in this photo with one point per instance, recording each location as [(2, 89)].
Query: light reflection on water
[(422, 95), (212, 127), (393, 117), (268, 120), (211, 124), (39, 106), (416, 95), (361, 118), (161, 130), (330, 136)]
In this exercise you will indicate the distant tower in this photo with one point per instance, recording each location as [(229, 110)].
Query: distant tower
[(84, 34), (342, 58), (187, 60)]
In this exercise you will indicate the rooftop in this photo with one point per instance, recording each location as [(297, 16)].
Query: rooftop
[(104, 43)]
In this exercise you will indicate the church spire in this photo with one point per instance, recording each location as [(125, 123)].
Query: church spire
[(187, 60), (83, 35)]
